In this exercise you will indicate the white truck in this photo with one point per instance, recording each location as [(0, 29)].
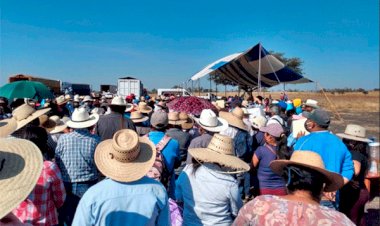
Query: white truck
[(180, 92), (129, 85)]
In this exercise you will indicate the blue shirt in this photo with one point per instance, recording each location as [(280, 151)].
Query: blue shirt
[(142, 202), (334, 153), (209, 196), (74, 155)]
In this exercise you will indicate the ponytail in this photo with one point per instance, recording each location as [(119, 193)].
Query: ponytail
[(282, 147)]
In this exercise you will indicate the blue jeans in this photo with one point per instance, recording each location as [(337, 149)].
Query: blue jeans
[(74, 192)]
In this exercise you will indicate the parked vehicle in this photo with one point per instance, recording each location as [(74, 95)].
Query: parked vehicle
[(80, 89), (175, 92), (129, 85), (54, 85), (108, 88)]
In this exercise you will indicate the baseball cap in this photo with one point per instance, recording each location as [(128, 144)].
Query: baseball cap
[(274, 129), (159, 119), (319, 116)]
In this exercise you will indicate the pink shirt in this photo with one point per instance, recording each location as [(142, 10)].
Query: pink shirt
[(274, 210)]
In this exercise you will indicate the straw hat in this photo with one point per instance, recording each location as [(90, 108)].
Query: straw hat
[(312, 160), (220, 150), (76, 98), (25, 114), (21, 166), (234, 118), (68, 97), (81, 119), (136, 117), (87, 98), (354, 132), (7, 127), (174, 118), (144, 108), (210, 122), (311, 103), (60, 125), (125, 158), (119, 101), (61, 100), (189, 122), (47, 123), (258, 121)]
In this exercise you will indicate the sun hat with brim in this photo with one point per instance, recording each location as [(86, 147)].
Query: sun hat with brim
[(47, 123), (144, 108), (354, 132), (81, 119), (311, 103), (7, 127), (174, 118), (220, 150), (118, 101), (189, 122), (60, 125), (312, 160), (21, 166), (87, 98), (136, 117), (26, 113), (126, 157), (61, 100), (234, 118), (258, 121), (210, 122)]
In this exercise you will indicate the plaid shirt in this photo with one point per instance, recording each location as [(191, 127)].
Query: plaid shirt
[(75, 156), (40, 207)]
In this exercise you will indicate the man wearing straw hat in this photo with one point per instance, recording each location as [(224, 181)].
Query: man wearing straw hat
[(127, 196), (110, 123), (75, 157)]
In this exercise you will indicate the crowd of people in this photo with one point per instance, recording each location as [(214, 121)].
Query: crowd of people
[(262, 161)]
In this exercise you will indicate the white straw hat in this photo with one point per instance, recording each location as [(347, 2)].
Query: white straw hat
[(210, 122), (21, 166), (312, 160), (136, 117), (81, 119), (354, 132), (125, 158), (7, 127), (220, 150), (234, 118), (311, 103), (26, 113), (87, 98), (118, 100), (61, 100), (60, 125)]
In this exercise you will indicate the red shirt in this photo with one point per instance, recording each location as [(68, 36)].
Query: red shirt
[(40, 207)]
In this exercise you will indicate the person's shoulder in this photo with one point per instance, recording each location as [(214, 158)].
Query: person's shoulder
[(173, 142)]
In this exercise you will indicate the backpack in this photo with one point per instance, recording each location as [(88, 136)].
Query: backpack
[(284, 127), (159, 171)]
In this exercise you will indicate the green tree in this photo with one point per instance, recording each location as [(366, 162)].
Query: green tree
[(154, 90), (295, 63)]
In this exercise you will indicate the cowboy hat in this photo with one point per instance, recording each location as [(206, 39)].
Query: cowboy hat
[(47, 123), (136, 117), (354, 132), (60, 125), (61, 100), (144, 108), (26, 113), (220, 150), (21, 166), (174, 118), (119, 101), (189, 122), (234, 118), (81, 119), (311, 103), (126, 157), (7, 127), (87, 98), (312, 160), (210, 122)]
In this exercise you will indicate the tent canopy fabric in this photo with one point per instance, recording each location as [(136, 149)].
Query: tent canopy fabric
[(242, 69)]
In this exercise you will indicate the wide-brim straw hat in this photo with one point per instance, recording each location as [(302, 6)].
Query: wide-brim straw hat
[(221, 151), (61, 100), (47, 123), (118, 101), (234, 118), (354, 132), (311, 103), (311, 160), (7, 127), (210, 122), (25, 114), (125, 158), (174, 118), (136, 117), (21, 166), (81, 119), (60, 125), (144, 108), (189, 122)]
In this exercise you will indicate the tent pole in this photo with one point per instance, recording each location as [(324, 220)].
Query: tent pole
[(192, 86), (199, 87), (225, 90), (259, 71), (210, 88)]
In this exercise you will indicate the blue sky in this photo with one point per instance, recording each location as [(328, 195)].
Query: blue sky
[(165, 42)]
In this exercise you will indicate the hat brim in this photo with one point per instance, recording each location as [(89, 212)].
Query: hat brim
[(221, 126), (176, 122), (21, 169), (58, 129), (233, 163), (143, 119), (7, 127), (64, 102), (311, 105), (146, 111), (85, 124), (30, 118), (129, 171), (233, 120), (351, 137), (333, 181), (188, 124)]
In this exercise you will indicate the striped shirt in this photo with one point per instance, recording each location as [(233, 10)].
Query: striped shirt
[(75, 156)]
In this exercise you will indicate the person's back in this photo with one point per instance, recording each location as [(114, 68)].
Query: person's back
[(183, 139), (110, 123), (275, 210), (210, 197), (142, 202)]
